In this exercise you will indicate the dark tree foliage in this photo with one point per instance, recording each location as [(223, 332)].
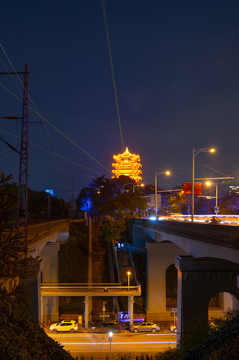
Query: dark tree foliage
[(229, 204), (222, 344), (117, 200), (20, 337), (12, 245), (37, 202)]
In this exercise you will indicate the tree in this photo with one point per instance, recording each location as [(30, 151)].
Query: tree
[(104, 198), (178, 202), (229, 204), (20, 337), (12, 246)]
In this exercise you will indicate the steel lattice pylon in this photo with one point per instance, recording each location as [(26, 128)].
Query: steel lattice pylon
[(22, 206)]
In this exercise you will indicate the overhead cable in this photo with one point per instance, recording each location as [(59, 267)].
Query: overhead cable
[(56, 154), (19, 79), (112, 70), (55, 128)]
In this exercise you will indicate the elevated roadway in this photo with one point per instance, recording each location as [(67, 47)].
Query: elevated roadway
[(197, 240), (38, 234), (206, 257), (87, 290)]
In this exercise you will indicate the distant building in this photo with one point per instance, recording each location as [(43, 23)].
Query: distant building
[(234, 189), (127, 164)]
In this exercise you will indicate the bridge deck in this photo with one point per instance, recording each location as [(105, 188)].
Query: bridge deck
[(79, 290), (224, 235)]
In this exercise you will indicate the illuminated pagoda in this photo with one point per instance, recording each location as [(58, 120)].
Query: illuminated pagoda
[(127, 164)]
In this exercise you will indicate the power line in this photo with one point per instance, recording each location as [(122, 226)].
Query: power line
[(55, 154), (29, 97), (55, 128), (35, 110), (209, 167), (112, 69)]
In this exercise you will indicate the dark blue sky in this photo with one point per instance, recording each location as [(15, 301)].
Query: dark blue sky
[(176, 67)]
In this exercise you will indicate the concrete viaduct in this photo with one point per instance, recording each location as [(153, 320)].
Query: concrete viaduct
[(42, 262), (207, 261), (41, 277), (206, 258)]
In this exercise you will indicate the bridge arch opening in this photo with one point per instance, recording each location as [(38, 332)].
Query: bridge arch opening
[(222, 302), (171, 276)]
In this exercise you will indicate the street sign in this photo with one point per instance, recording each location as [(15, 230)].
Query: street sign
[(216, 209), (174, 309)]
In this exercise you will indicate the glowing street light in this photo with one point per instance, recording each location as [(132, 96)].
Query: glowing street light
[(110, 340), (195, 153), (167, 173), (209, 183), (216, 209), (128, 273)]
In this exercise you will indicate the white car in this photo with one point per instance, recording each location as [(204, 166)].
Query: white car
[(64, 325)]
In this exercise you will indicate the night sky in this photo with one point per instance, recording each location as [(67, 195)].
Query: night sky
[(176, 67)]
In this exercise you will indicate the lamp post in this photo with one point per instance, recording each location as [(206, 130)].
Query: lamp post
[(208, 183), (156, 174), (128, 273), (195, 153), (110, 340)]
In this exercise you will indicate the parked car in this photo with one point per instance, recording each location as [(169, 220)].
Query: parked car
[(173, 328), (64, 325), (107, 326), (145, 326)]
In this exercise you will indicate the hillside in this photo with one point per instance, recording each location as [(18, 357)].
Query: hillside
[(20, 337), (222, 344)]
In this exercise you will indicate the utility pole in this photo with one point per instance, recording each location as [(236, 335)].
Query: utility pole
[(22, 204), (90, 262), (73, 198)]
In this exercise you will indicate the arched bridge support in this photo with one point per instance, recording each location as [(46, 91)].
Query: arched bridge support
[(159, 257), (32, 284), (49, 256), (198, 281)]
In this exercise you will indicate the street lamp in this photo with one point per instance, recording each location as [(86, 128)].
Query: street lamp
[(128, 273), (209, 183), (110, 340), (167, 173), (195, 153), (216, 210)]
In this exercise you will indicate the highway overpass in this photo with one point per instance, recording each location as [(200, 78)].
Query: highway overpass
[(207, 260)]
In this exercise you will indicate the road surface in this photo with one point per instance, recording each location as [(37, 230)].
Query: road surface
[(98, 345)]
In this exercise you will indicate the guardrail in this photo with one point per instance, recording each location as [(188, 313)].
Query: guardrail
[(224, 235), (38, 231), (89, 290)]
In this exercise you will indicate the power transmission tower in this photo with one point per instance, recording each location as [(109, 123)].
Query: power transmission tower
[(22, 204)]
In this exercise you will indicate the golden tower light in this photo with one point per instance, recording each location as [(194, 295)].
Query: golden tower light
[(127, 164)]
